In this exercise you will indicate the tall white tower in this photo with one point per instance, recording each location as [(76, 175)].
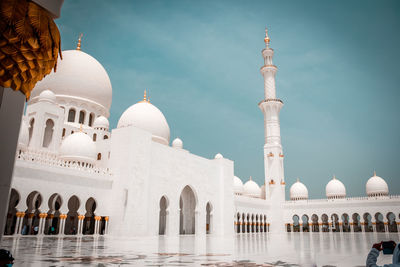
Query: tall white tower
[(273, 154)]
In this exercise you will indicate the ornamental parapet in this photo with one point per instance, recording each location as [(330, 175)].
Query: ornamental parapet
[(48, 158), (270, 100), (269, 67)]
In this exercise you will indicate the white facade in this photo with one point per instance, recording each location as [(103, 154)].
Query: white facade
[(75, 176)]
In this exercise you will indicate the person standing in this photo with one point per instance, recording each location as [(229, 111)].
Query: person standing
[(374, 253)]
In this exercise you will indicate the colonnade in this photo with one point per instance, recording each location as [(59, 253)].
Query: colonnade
[(250, 223), (343, 223)]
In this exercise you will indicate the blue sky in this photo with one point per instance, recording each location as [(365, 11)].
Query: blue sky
[(338, 76)]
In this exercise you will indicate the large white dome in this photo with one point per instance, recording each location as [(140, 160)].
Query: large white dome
[(376, 186), (78, 147), (148, 117), (78, 76), (335, 189), (251, 189), (298, 191), (237, 185)]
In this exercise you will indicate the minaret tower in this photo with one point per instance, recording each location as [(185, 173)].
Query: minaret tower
[(273, 154)]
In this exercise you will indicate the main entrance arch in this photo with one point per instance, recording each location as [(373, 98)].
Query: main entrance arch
[(187, 205)]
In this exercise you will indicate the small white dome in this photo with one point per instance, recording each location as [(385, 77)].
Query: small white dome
[(78, 147), (48, 96), (298, 191), (177, 143), (78, 76), (251, 189), (237, 185), (218, 156), (101, 122), (376, 186), (148, 117), (23, 138), (335, 189)]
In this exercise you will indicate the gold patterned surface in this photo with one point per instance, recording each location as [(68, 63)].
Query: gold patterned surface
[(29, 44)]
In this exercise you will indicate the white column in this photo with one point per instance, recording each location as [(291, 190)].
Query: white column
[(21, 221), (108, 218), (61, 230)]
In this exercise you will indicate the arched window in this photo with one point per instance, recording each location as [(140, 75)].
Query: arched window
[(91, 117), (48, 133), (99, 156), (63, 132), (94, 137), (71, 115), (105, 137), (82, 117), (31, 124)]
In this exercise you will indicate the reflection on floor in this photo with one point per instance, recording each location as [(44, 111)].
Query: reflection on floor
[(262, 249)]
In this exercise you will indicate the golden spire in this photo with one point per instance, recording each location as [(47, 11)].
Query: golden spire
[(145, 98), (81, 128), (374, 173), (78, 47), (266, 39)]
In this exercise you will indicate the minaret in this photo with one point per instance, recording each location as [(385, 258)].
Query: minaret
[(273, 154)]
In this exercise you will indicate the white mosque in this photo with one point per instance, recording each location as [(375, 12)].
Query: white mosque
[(76, 176)]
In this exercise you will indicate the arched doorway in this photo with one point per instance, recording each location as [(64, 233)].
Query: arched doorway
[(89, 221), (296, 223), (31, 219), (356, 223), (368, 222), (48, 133), (243, 223), (53, 215), (208, 218), (325, 223), (392, 225), (187, 204), (315, 225), (162, 226), (345, 222), (11, 218), (335, 223), (380, 226), (305, 224), (71, 223)]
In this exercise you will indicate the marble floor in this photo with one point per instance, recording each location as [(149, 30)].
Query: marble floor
[(261, 249)]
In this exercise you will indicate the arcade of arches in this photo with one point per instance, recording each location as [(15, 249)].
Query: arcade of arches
[(188, 215), (366, 222), (39, 219)]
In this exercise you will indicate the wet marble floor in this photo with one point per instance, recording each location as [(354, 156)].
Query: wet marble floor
[(261, 249)]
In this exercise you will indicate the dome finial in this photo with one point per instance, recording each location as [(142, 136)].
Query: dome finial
[(78, 47), (250, 179), (374, 173), (334, 177), (145, 95), (298, 179), (266, 39), (80, 128)]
